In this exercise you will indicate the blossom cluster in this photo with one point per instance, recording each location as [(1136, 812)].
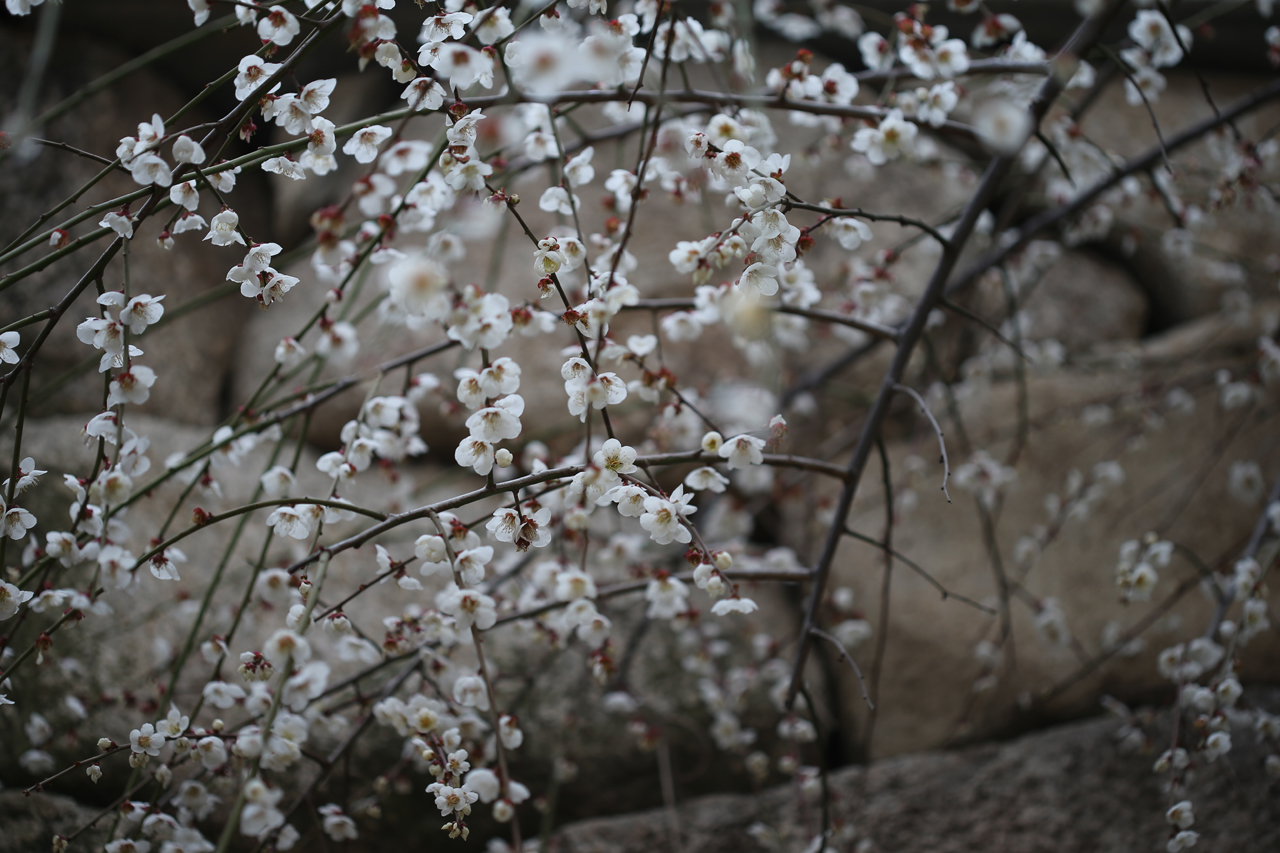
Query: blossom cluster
[(379, 581)]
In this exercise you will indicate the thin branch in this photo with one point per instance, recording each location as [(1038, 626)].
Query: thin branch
[(918, 569), (49, 143), (844, 655), (872, 328), (1143, 162), (977, 66), (969, 315), (1056, 155), (1127, 71), (942, 444), (905, 221), (1084, 37)]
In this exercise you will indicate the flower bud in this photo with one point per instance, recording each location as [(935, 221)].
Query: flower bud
[(723, 559), (502, 458), (711, 442), (105, 743)]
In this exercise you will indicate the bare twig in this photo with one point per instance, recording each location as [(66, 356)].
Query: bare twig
[(845, 656), (918, 569), (942, 444)]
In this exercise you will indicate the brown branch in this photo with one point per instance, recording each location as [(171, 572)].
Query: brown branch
[(844, 655), (1088, 32)]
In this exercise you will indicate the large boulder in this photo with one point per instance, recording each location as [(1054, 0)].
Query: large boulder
[(1067, 790), (29, 823), (1181, 478)]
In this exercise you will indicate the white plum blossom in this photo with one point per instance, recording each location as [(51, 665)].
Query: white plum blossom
[(289, 521), (559, 200), (252, 73), (894, 137), (420, 286), (461, 65), (285, 646), (131, 386), (468, 607), (363, 144), (118, 222), (663, 517), (706, 479), (849, 232), (470, 691), (499, 421), (742, 451), (524, 529), (1180, 815), (725, 606), (187, 150), (286, 167), (149, 168), (1003, 125), (445, 27), (223, 229), (146, 740), (475, 453), (541, 63), (278, 26), (877, 53), (668, 597), (12, 598), (8, 347), (759, 279)]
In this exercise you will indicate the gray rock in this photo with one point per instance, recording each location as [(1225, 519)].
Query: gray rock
[(1065, 790), (1108, 407), (1083, 300), (28, 824)]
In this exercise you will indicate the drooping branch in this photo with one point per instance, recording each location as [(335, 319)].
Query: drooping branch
[(1088, 32)]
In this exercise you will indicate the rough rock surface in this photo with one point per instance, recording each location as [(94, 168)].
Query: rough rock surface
[(1064, 790), (1080, 300), (28, 824), (1112, 407)]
